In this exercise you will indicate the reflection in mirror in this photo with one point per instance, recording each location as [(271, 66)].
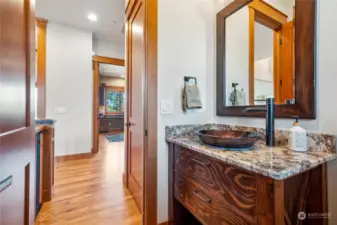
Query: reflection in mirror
[(260, 53), (263, 64), (237, 58)]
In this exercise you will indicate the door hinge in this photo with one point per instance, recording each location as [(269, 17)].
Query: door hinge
[(145, 133), (281, 83), (281, 41)]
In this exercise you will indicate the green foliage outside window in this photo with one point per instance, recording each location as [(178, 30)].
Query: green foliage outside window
[(114, 102)]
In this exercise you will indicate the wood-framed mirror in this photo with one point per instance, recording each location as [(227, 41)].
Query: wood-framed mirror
[(266, 48)]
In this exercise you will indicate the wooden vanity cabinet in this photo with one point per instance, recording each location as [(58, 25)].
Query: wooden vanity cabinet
[(215, 192), (44, 165)]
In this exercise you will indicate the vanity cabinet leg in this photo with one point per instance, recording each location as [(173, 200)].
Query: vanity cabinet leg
[(171, 184), (265, 203), (279, 202)]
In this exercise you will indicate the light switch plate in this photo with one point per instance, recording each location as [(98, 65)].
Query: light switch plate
[(166, 107), (60, 110)]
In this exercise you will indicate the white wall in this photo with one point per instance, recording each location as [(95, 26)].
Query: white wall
[(263, 41), (69, 85), (112, 50), (187, 47)]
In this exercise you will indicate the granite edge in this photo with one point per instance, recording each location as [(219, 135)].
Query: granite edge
[(281, 175), (316, 141)]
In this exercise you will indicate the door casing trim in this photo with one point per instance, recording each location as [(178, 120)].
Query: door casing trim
[(96, 60)]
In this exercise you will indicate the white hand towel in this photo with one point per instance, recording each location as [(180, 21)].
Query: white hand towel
[(191, 97)]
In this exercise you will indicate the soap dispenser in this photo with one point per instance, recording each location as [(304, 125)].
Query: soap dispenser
[(297, 140)]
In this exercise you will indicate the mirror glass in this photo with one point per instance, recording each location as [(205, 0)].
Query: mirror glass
[(260, 40)]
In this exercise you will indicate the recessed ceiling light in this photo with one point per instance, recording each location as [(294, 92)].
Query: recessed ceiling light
[(92, 17)]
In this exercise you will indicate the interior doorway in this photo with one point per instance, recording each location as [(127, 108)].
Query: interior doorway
[(108, 100), (92, 175)]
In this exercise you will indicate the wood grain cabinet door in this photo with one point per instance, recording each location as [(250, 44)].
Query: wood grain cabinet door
[(17, 133), (230, 192), (194, 197), (195, 166), (235, 200)]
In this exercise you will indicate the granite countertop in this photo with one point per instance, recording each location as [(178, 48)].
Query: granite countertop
[(39, 128), (278, 162)]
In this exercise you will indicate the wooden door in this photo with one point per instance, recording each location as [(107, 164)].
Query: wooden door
[(135, 101), (287, 63), (17, 133)]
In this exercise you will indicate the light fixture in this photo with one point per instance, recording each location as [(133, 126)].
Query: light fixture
[(92, 17)]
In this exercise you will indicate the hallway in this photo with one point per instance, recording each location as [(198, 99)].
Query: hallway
[(90, 191)]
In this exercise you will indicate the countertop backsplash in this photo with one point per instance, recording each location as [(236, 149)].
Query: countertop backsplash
[(316, 141)]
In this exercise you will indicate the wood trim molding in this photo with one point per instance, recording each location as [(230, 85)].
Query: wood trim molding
[(114, 88), (65, 158), (41, 25), (151, 106), (95, 129), (232, 7), (40, 22), (276, 55), (96, 60), (129, 8), (108, 60), (268, 10)]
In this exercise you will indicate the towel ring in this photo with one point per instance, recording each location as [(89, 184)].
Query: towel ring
[(187, 79)]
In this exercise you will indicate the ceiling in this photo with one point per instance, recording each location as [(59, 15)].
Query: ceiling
[(110, 14), (108, 70)]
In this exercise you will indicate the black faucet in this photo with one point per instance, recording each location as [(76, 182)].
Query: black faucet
[(270, 120)]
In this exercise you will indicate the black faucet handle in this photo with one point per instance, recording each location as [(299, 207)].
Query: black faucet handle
[(270, 100)]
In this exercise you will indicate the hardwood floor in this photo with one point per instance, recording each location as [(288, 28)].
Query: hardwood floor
[(90, 191)]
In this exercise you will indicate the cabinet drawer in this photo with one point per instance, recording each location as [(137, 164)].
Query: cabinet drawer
[(194, 165), (193, 197), (231, 190)]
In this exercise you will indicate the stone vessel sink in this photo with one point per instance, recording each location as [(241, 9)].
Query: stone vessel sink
[(228, 138)]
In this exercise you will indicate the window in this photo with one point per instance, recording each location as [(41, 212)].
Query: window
[(114, 100)]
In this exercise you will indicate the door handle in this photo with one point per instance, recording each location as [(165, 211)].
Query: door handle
[(129, 124)]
